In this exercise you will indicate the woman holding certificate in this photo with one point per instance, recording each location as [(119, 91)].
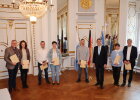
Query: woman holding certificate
[(117, 62), (25, 59), (55, 59)]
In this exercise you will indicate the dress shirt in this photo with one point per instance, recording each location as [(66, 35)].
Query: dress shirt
[(99, 50), (128, 52), (42, 55)]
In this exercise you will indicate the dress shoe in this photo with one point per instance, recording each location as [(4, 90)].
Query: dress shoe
[(129, 84), (102, 87), (96, 84), (58, 83), (48, 82), (87, 81), (53, 83), (39, 83), (123, 84), (117, 85), (78, 81)]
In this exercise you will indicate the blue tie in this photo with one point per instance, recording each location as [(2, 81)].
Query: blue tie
[(99, 50)]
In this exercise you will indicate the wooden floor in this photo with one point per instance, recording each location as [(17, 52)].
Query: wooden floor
[(70, 90)]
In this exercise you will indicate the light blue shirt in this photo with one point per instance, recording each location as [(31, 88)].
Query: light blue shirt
[(113, 56)]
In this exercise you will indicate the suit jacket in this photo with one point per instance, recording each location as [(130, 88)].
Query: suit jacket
[(133, 55), (102, 58), (28, 53), (8, 53)]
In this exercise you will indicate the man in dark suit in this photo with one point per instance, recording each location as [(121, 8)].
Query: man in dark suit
[(100, 62), (11, 66), (130, 55)]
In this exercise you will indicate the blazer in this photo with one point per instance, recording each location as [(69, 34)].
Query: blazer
[(8, 53), (50, 54), (28, 53), (102, 58), (133, 54)]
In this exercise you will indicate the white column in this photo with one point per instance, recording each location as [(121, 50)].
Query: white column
[(72, 19), (123, 22), (53, 23)]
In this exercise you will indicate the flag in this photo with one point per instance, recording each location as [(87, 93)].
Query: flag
[(58, 41), (62, 41), (103, 38), (90, 48), (76, 66)]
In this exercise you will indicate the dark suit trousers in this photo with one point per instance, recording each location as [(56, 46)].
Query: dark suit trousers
[(40, 73), (100, 74), (12, 78), (130, 75), (116, 74), (23, 76)]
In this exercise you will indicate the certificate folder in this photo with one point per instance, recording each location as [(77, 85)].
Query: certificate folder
[(56, 61), (83, 64), (14, 58), (117, 59), (25, 64), (128, 67)]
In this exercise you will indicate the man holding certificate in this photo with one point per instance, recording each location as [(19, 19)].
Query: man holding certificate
[(12, 57), (42, 62), (25, 59), (130, 55), (117, 62), (55, 61), (83, 57)]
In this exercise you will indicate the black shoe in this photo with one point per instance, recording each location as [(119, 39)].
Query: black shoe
[(78, 81), (117, 85), (10, 90), (123, 84), (102, 87), (96, 84), (87, 81), (48, 82), (39, 83), (58, 83), (129, 84), (53, 83)]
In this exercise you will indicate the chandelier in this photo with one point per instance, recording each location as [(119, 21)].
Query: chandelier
[(33, 9)]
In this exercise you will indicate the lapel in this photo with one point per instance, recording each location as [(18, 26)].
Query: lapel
[(130, 51)]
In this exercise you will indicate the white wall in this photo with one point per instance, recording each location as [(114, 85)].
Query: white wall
[(45, 30), (72, 21)]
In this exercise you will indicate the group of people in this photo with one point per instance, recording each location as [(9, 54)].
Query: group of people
[(127, 56), (44, 57)]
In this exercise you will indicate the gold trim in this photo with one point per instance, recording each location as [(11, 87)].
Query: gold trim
[(6, 32), (20, 28), (3, 71)]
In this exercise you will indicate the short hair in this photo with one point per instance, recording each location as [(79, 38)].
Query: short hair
[(129, 40), (82, 39), (14, 41), (42, 42), (20, 45), (54, 42), (98, 39), (117, 44)]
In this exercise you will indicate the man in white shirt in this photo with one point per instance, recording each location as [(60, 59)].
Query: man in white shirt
[(130, 55), (42, 60)]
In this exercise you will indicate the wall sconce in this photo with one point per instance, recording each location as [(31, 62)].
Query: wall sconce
[(51, 5)]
